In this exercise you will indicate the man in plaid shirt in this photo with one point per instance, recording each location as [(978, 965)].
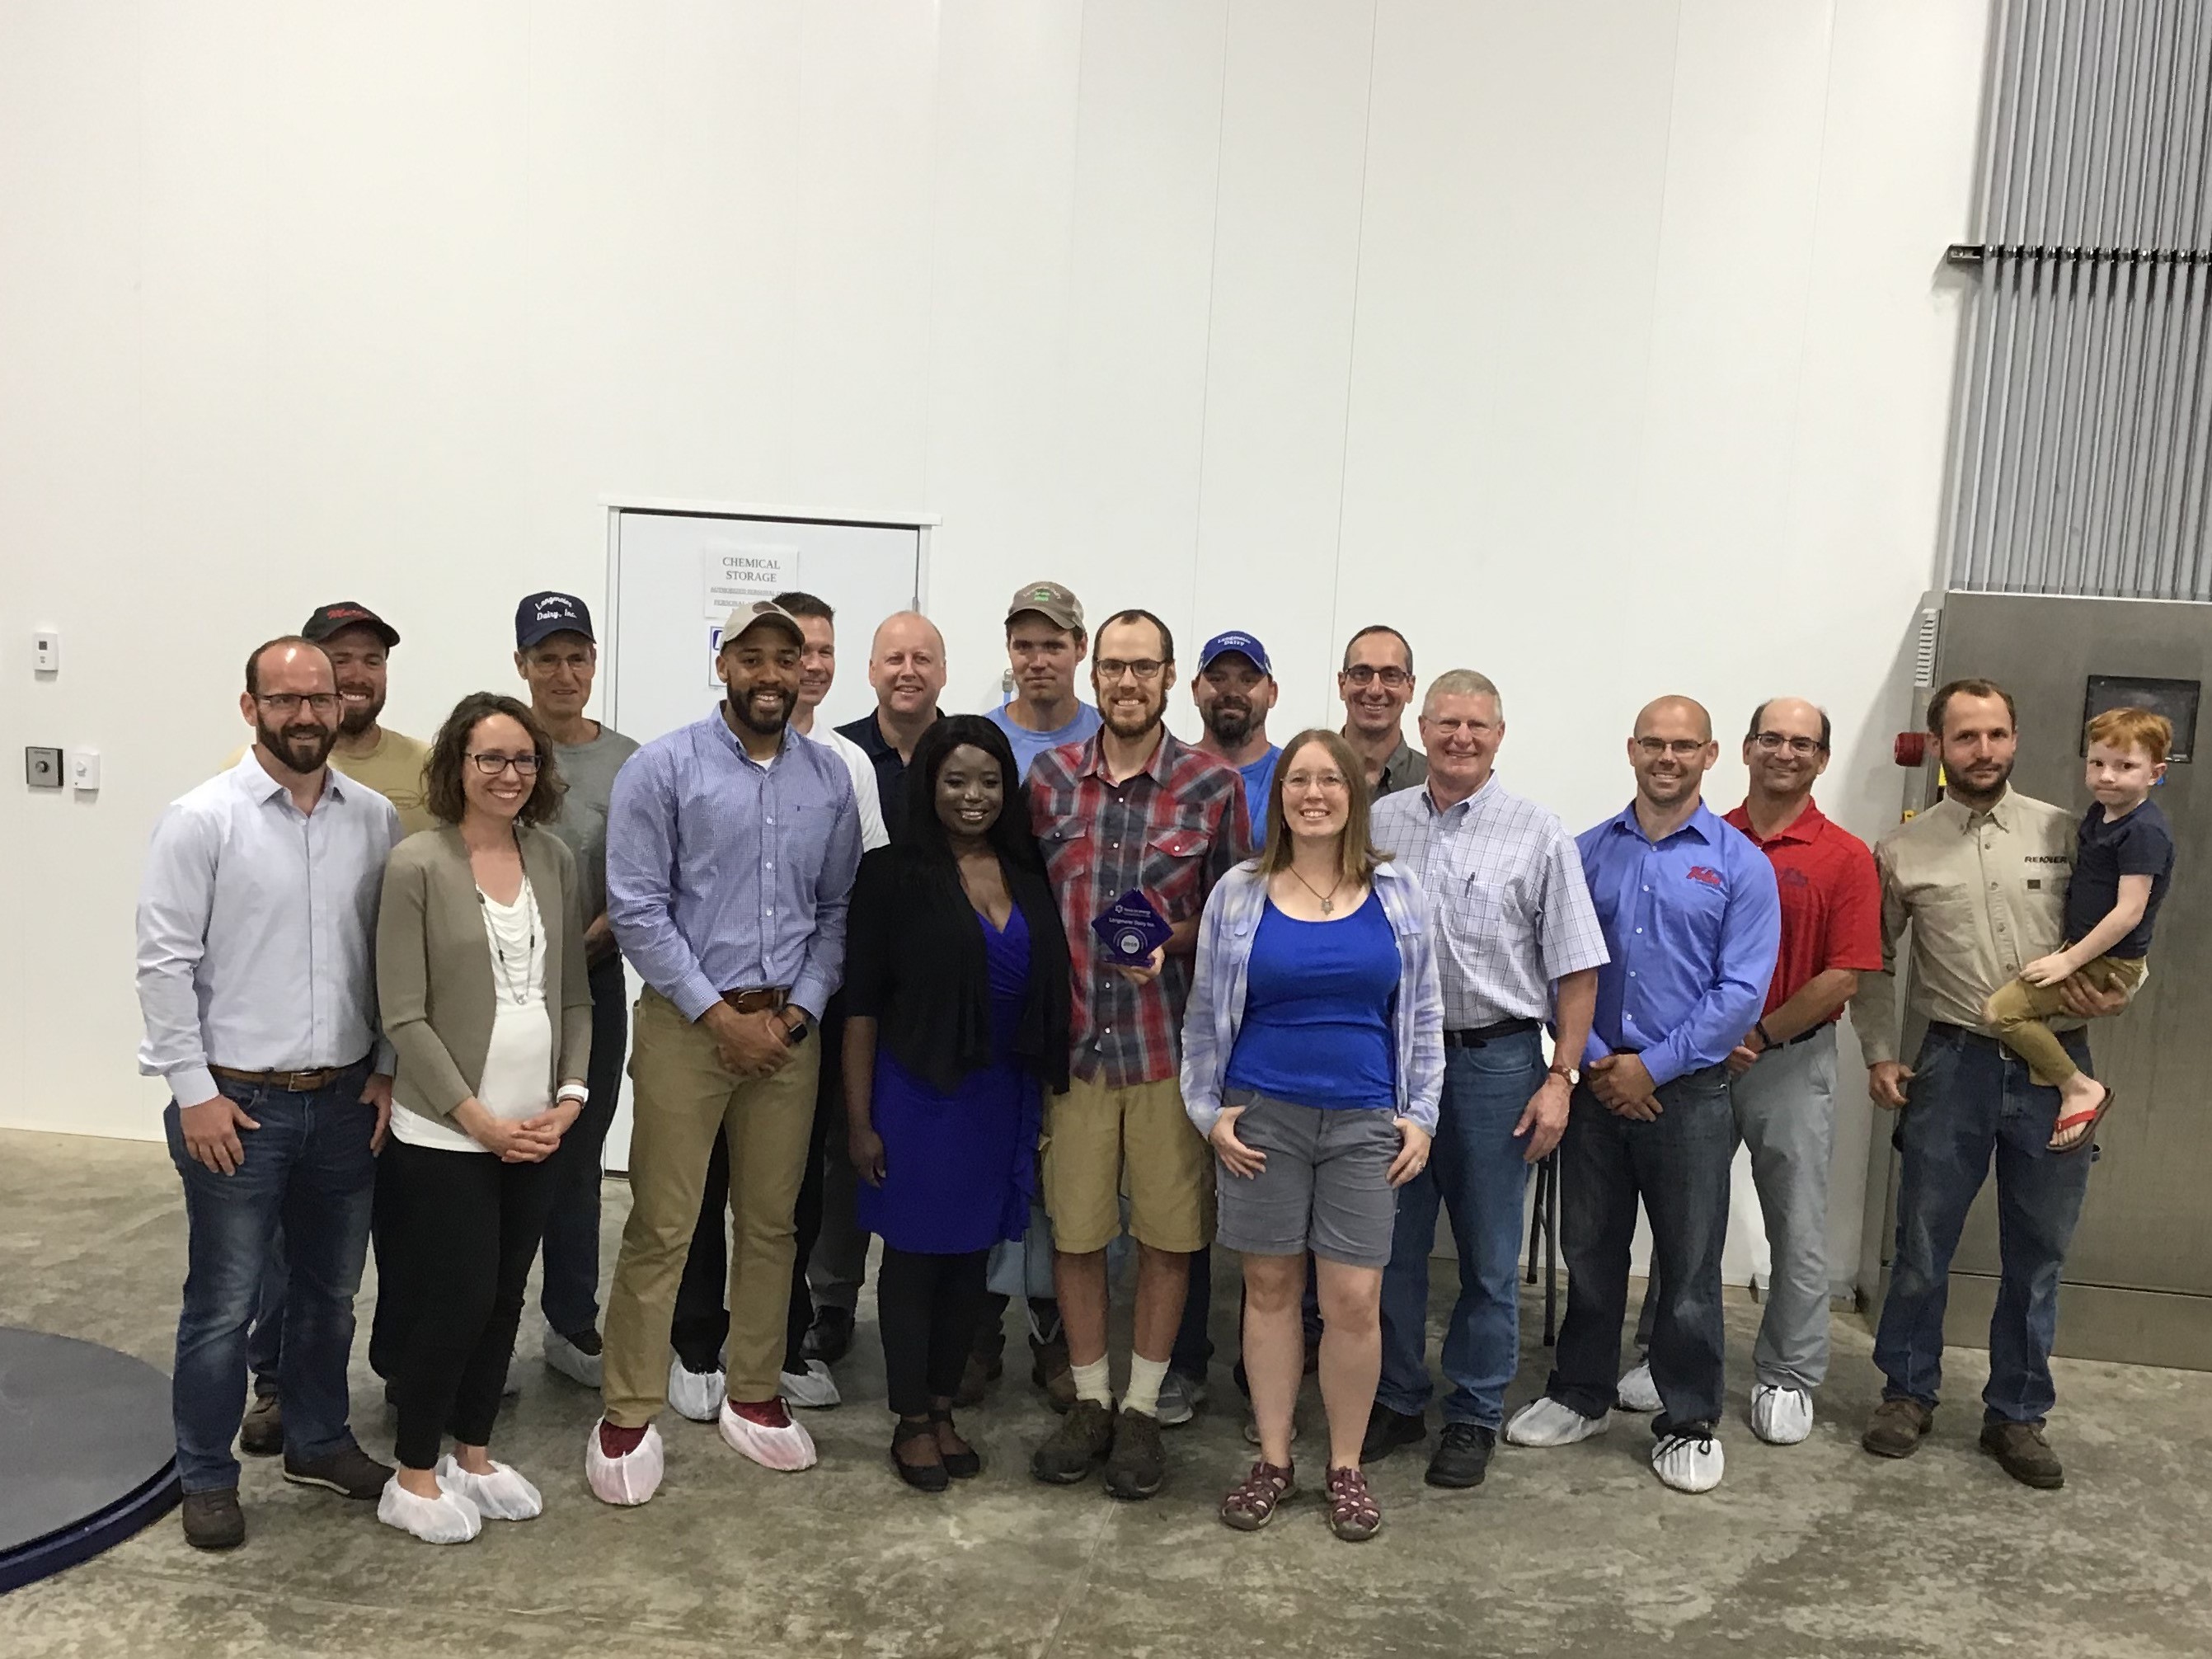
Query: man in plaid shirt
[(1132, 808)]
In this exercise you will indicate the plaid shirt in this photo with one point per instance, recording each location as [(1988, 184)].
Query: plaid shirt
[(1169, 832)]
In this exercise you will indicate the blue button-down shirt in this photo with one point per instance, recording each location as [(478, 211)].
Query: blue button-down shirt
[(1692, 923), (726, 875)]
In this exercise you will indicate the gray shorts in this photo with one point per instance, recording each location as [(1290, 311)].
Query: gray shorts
[(1326, 1186)]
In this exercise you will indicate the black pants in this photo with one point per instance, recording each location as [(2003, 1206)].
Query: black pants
[(926, 1307), (702, 1321), (388, 1327), (464, 1229), (568, 1295)]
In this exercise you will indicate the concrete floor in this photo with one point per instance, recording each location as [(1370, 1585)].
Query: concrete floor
[(1816, 1550)]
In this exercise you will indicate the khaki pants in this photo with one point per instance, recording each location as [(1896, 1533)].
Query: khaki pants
[(683, 1098), (2018, 1011)]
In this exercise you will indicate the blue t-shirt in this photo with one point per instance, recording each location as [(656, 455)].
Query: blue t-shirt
[(1316, 1027), (2140, 844), (1029, 744), (1257, 775)]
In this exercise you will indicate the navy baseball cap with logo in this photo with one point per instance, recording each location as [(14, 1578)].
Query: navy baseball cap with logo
[(330, 619), (544, 615), (1235, 643)]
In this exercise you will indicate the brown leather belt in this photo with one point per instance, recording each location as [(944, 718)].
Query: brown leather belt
[(766, 1000), (297, 1082)]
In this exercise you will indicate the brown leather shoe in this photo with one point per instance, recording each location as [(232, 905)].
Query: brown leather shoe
[(976, 1376), (1050, 1372), (213, 1520), (349, 1472), (2022, 1453), (1896, 1428), (262, 1434)]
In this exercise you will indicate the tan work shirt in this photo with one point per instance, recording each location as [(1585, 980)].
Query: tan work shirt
[(1986, 893), (395, 768)]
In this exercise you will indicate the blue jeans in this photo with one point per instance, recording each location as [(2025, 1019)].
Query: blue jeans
[(1476, 1173), (1972, 1100), (1677, 1164), (307, 1169), (568, 1295)]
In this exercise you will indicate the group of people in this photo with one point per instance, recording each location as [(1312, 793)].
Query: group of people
[(384, 983)]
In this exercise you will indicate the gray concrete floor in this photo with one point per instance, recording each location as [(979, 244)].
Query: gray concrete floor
[(1816, 1550)]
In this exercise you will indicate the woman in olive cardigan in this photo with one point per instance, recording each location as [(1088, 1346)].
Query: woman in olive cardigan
[(481, 979)]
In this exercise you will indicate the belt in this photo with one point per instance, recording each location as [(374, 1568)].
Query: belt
[(766, 1000), (297, 1082), (1473, 1036), (1806, 1037), (1965, 1032)]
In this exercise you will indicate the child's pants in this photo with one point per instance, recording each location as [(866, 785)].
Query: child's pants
[(2017, 1014)]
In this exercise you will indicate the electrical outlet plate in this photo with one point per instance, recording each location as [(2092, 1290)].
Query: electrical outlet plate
[(42, 767)]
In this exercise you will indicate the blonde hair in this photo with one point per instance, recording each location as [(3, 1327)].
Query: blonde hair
[(1358, 858)]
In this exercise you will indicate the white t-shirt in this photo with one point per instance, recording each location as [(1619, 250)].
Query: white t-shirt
[(519, 1063), (865, 795)]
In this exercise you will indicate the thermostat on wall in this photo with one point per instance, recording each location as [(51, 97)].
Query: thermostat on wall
[(42, 767)]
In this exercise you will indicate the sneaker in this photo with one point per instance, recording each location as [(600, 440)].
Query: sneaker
[(1138, 1465), (448, 1518), (262, 1433), (1780, 1417), (2023, 1453), (766, 1433), (1462, 1455), (349, 1472), (579, 1358), (512, 1385), (697, 1395), (1077, 1446), (1637, 1392), (1180, 1398), (1896, 1428), (813, 1388), (626, 1478), (1252, 1429), (829, 1337), (1388, 1430), (1690, 1461), (976, 1376), (505, 1494), (1049, 1371), (1546, 1422), (213, 1520)]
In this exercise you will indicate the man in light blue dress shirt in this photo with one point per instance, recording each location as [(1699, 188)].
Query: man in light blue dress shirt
[(1693, 920), (257, 920)]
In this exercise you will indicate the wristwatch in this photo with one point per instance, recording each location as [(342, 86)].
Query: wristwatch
[(795, 1035), (1765, 1041), (1558, 1068)]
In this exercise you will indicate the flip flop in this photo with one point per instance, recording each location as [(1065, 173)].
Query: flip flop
[(2077, 1120)]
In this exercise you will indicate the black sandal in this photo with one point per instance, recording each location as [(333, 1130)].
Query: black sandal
[(961, 1466), (922, 1477)]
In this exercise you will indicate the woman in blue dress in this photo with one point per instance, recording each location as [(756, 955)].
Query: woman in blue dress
[(956, 1000)]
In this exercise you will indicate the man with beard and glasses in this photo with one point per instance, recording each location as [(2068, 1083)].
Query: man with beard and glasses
[(1376, 683), (732, 845), (906, 669), (1691, 924), (257, 919), (1132, 809), (1981, 879)]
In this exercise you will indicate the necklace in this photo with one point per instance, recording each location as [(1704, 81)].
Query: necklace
[(1328, 900), (518, 990)]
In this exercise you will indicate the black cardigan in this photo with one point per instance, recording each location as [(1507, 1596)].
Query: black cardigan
[(914, 963)]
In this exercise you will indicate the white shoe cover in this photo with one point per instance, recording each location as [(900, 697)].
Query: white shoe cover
[(1637, 1392), (1689, 1462), (1546, 1422), (697, 1395), (1781, 1417), (632, 1479), (787, 1450), (503, 1495), (448, 1518), (587, 1371), (813, 1388)]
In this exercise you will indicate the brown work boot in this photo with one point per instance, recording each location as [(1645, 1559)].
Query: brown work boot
[(976, 1376), (1139, 1463), (1049, 1371), (262, 1433), (2022, 1453), (1077, 1446), (1896, 1428)]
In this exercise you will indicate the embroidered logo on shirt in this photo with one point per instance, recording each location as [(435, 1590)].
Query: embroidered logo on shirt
[(1700, 872), (1794, 878)]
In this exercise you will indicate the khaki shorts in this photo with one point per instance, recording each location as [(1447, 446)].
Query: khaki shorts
[(1097, 1140)]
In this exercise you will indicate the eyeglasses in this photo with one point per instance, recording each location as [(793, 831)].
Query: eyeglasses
[(1363, 674), (287, 703), (1680, 748), (1145, 668), (491, 766), (1773, 743)]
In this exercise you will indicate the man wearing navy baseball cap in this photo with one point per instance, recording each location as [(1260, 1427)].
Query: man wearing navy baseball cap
[(557, 655), (1235, 689)]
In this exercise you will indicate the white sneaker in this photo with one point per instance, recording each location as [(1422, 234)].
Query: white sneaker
[(813, 1388), (1637, 1392), (587, 1370), (1689, 1462), (1180, 1398), (503, 1495), (630, 1479), (1781, 1417), (513, 1385), (1546, 1422), (448, 1518), (697, 1394), (786, 1449)]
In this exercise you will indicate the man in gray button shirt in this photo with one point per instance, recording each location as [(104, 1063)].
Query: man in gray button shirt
[(257, 919)]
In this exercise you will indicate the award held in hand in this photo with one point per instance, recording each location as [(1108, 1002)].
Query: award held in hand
[(1131, 929)]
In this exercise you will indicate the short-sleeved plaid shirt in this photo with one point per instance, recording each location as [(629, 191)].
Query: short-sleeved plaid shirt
[(1169, 832)]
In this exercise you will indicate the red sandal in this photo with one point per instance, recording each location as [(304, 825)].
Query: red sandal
[(2086, 1122), (1251, 1505), (1353, 1513)]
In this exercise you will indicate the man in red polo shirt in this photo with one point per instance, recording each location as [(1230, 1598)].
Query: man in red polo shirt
[(1784, 1070)]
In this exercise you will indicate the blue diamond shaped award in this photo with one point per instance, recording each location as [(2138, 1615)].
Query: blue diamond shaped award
[(1131, 929)]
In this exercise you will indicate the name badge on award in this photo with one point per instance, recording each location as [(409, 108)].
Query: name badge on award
[(1131, 930)]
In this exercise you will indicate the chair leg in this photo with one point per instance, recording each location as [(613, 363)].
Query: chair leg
[(1536, 1221), (1550, 1198)]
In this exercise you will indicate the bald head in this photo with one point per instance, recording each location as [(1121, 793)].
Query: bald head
[(1785, 751), (906, 665), (1672, 711)]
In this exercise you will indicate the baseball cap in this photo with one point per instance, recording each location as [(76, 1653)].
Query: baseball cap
[(752, 616), (1049, 600), (543, 614), (328, 619), (1234, 642)]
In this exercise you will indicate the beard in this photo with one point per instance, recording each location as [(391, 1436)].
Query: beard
[(357, 718), (741, 708), (1124, 723), (303, 745), (1232, 723)]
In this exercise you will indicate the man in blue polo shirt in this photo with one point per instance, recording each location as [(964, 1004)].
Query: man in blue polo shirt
[(1692, 921)]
